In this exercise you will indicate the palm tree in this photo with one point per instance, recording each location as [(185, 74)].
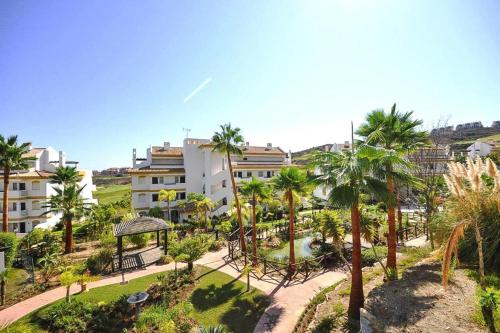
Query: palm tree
[(65, 175), (255, 190), (226, 142), (291, 181), (69, 202), (331, 225), (349, 174), (12, 157), (205, 205), (397, 131), (168, 196)]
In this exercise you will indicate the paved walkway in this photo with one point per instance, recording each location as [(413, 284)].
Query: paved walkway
[(288, 299)]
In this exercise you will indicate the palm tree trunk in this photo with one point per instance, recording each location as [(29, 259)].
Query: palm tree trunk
[(238, 208), (356, 299), (479, 240), (254, 232), (5, 204), (400, 216), (3, 290), (67, 293), (292, 266), (69, 236), (391, 239), (206, 220), (168, 211)]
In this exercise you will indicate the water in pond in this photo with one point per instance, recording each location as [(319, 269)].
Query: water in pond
[(302, 248)]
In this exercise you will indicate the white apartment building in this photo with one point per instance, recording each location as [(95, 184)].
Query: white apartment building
[(480, 148), (195, 167), (30, 189)]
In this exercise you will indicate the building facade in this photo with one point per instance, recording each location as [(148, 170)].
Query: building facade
[(30, 189), (196, 168)]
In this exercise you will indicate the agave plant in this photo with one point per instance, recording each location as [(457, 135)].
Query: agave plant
[(212, 329), (471, 198)]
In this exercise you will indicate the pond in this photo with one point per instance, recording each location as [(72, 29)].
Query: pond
[(302, 248)]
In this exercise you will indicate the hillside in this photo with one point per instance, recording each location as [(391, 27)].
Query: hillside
[(111, 193), (304, 156)]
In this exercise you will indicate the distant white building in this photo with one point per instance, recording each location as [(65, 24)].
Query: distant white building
[(479, 148), (30, 189), (196, 168)]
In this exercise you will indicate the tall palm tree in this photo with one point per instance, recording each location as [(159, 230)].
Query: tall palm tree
[(168, 196), (69, 202), (398, 131), (291, 181), (65, 175), (255, 190), (349, 174), (226, 142), (11, 158)]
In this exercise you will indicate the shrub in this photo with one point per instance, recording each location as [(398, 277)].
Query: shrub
[(368, 257), (68, 317), (165, 259), (100, 261), (216, 245), (139, 240), (9, 240)]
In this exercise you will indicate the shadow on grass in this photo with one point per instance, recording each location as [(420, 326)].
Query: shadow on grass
[(245, 313), (212, 296)]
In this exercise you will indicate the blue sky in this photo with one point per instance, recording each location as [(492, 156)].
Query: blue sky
[(97, 78)]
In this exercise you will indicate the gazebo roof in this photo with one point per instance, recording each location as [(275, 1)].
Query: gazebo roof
[(139, 225)]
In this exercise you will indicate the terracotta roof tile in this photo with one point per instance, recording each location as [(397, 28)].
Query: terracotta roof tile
[(171, 151)]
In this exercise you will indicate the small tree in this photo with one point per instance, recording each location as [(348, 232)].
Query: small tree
[(168, 196), (67, 279), (192, 248)]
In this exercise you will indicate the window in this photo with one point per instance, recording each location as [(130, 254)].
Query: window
[(180, 196), (224, 201), (15, 186), (23, 205), (268, 174), (180, 179), (142, 198), (14, 206), (22, 186), (261, 173), (35, 186), (154, 197), (35, 205), (238, 174), (245, 158), (224, 183), (224, 166), (157, 180), (142, 180)]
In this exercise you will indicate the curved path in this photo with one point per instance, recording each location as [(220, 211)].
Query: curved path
[(288, 300)]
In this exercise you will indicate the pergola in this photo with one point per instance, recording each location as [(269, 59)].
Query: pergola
[(139, 225)]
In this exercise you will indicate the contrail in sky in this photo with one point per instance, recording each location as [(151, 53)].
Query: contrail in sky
[(197, 90)]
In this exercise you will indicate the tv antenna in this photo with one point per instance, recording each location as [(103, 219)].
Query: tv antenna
[(187, 130)]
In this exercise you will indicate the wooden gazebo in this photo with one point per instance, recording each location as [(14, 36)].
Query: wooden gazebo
[(139, 225)]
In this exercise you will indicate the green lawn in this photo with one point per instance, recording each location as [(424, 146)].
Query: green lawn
[(16, 280), (111, 193), (221, 299), (217, 299)]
